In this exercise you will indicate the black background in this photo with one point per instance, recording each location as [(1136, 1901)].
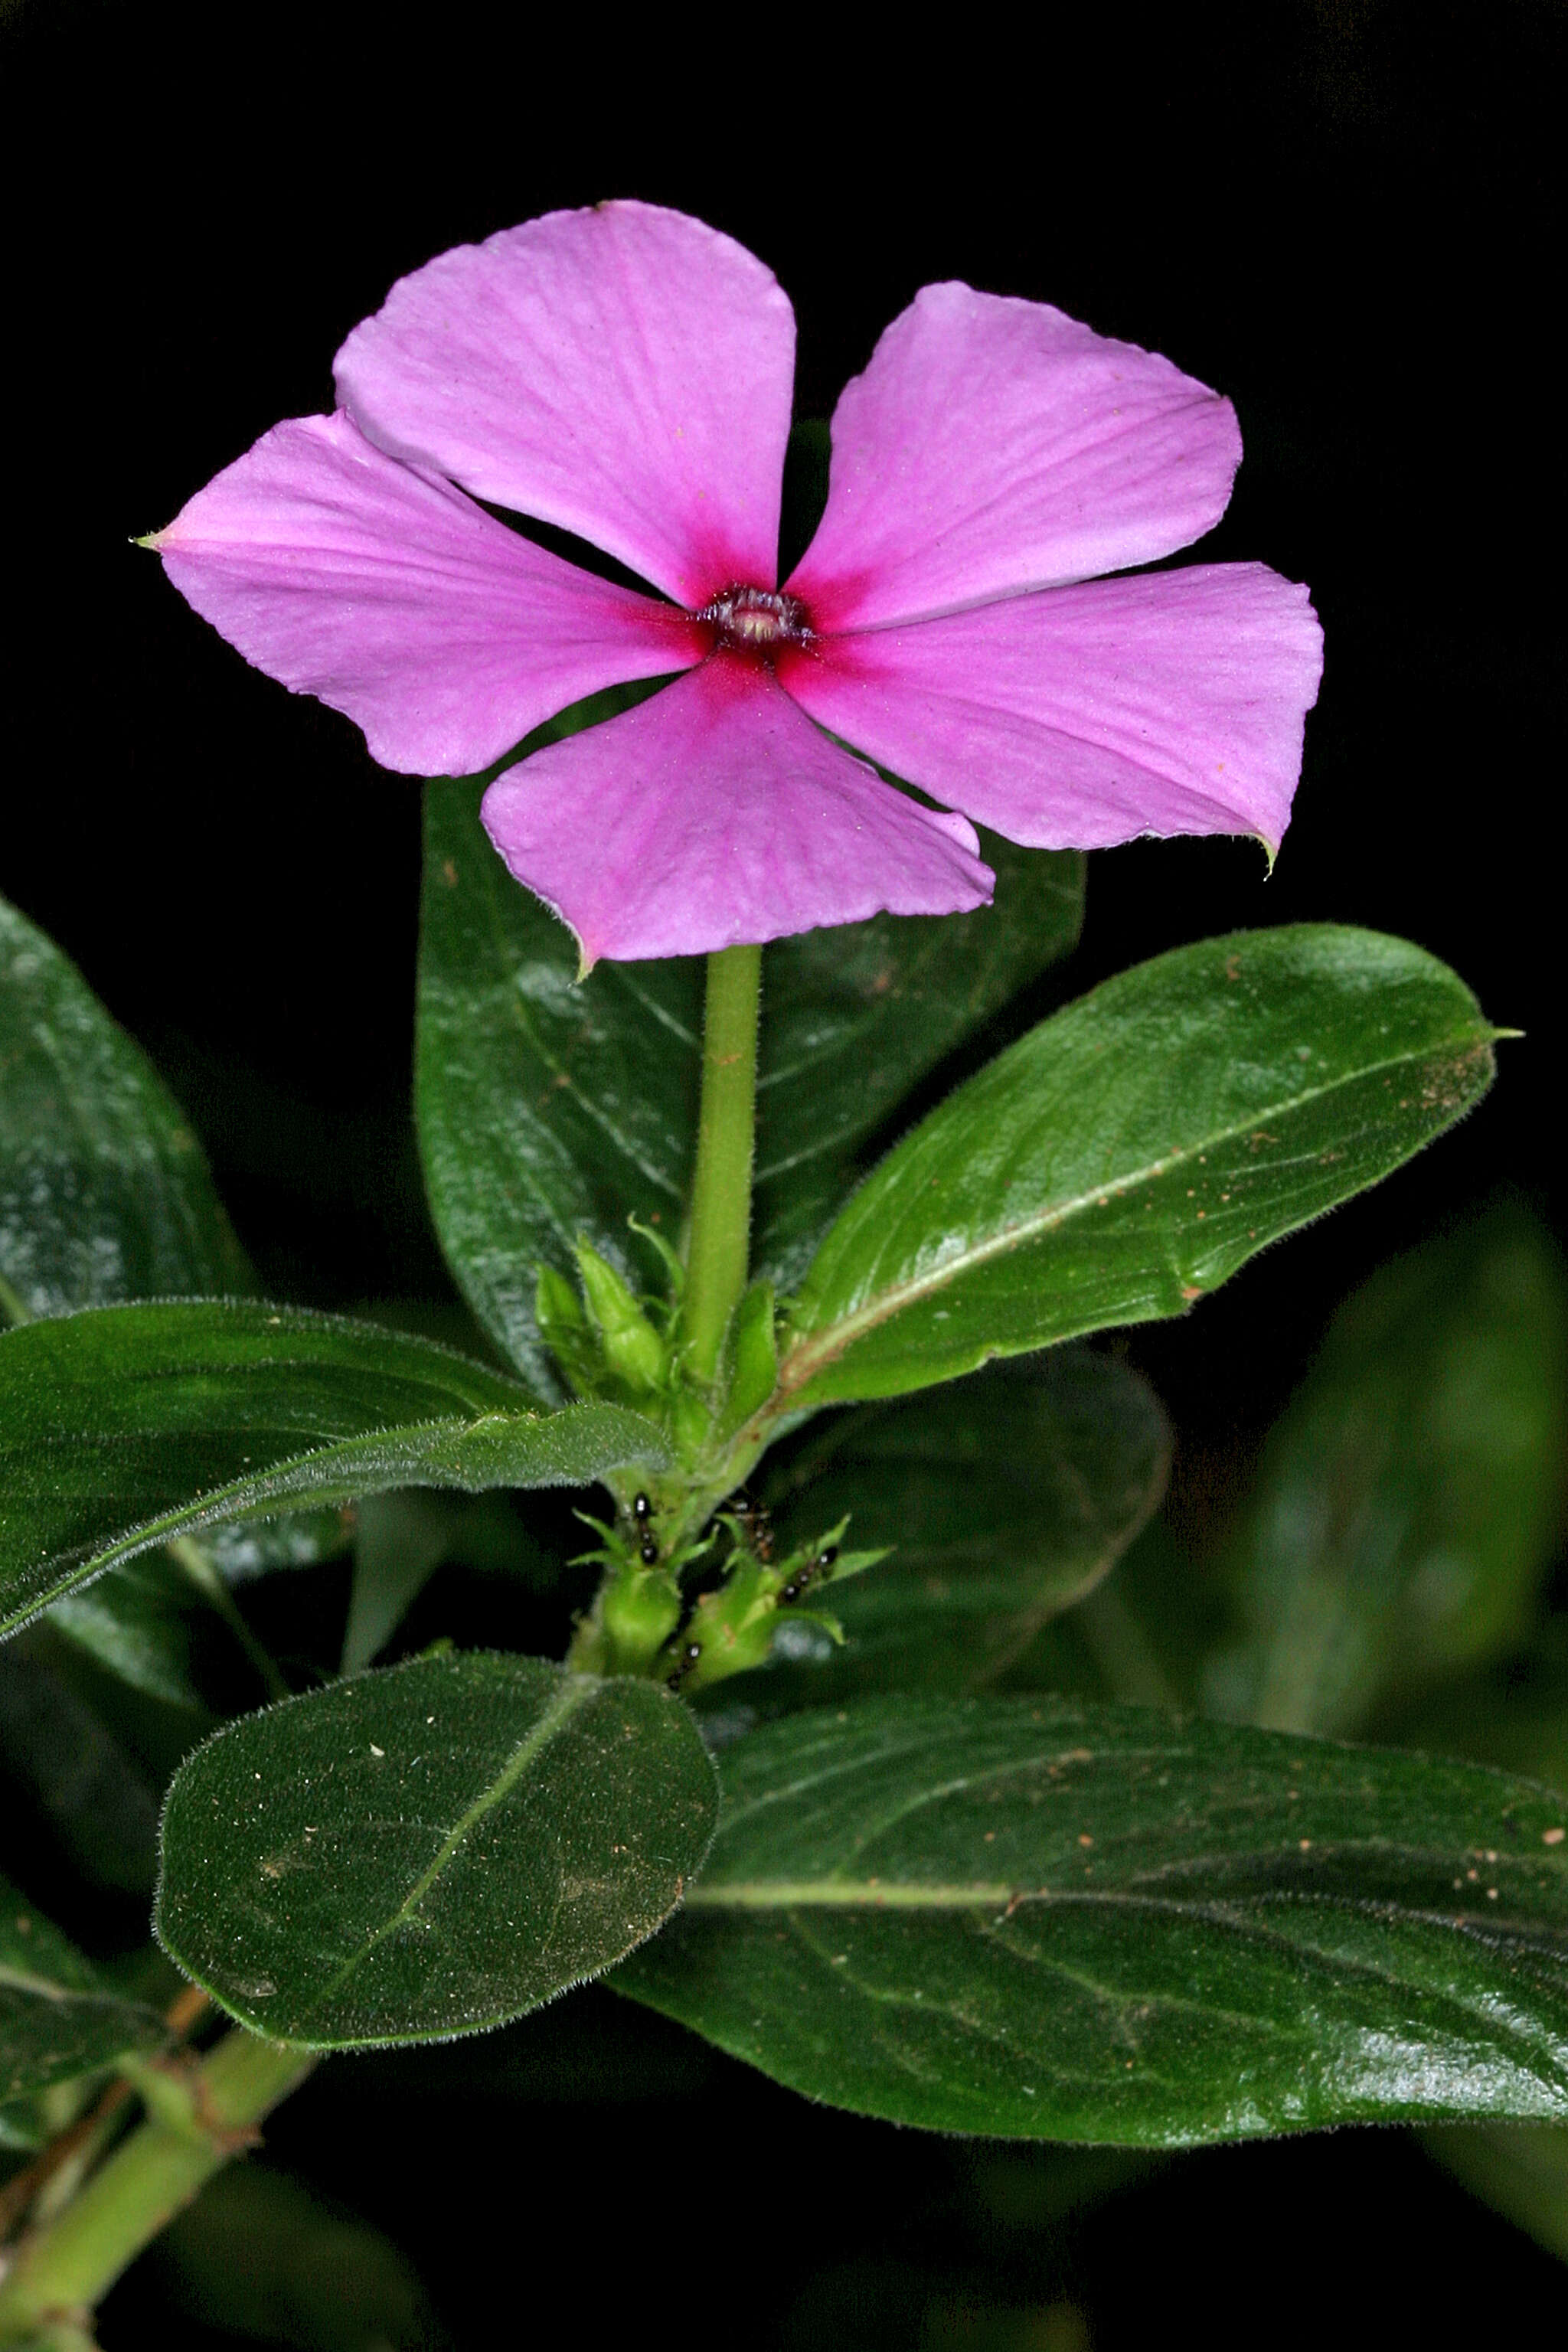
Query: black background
[(1340, 214)]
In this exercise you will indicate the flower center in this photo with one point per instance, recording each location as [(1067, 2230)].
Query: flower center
[(756, 620)]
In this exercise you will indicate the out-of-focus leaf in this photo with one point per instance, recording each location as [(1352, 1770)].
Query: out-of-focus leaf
[(403, 1538), (72, 1769), (550, 1109), (127, 1425), (1005, 1498), (56, 2016), (245, 1548), (1131, 1153), (1520, 2170), (431, 1849), (1043, 1919), (135, 1621), (261, 2256), (104, 1193), (1408, 1504)]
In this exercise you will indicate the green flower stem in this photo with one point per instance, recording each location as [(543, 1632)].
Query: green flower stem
[(199, 2118), (726, 1141)]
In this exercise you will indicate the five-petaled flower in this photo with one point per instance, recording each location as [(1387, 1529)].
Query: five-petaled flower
[(624, 374)]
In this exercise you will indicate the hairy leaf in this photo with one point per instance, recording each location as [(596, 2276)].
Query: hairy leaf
[(431, 1849), (127, 1425), (1057, 1920), (1131, 1152)]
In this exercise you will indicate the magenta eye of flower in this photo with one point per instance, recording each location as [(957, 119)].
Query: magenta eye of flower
[(756, 620)]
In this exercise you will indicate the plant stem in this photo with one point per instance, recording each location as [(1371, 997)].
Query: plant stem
[(726, 1139), (206, 2115)]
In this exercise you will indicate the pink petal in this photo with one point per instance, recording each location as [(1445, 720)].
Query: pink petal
[(622, 372), (395, 599), (715, 813), (994, 445), (1079, 717)]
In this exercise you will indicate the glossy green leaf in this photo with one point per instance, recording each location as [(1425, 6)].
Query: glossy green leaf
[(1409, 1504), (1050, 1919), (1004, 1498), (432, 1849), (550, 1109), (56, 2016), (127, 1425), (1131, 1152), (104, 1193)]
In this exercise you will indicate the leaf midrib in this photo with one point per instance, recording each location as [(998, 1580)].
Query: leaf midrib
[(574, 1695), (803, 1361)]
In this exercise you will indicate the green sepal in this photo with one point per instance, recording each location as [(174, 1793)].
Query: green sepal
[(634, 1351), (751, 1362), (565, 1329)]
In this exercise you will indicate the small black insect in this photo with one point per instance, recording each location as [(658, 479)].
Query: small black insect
[(756, 1528), (689, 1654), (808, 1572), (642, 1509), (649, 1549)]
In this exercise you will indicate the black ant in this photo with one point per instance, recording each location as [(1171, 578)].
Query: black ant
[(642, 1512), (689, 1654), (809, 1572), (753, 1521)]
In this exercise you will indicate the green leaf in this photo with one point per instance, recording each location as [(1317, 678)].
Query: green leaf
[(71, 1769), (135, 1621), (104, 1193), (126, 1425), (430, 1850), (1520, 2170), (1005, 1498), (855, 1016), (57, 2016), (1131, 1152), (270, 2260), (402, 1540), (1408, 1505), (550, 1109), (1043, 1918)]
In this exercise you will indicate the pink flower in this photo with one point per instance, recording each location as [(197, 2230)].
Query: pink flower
[(625, 374)]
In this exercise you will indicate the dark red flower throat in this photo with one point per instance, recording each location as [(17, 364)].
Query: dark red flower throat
[(756, 621)]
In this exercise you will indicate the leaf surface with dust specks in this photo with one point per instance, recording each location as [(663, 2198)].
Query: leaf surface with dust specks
[(431, 1849), (1057, 1920)]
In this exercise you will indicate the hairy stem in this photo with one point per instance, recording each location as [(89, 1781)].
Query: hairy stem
[(204, 2115), (726, 1137)]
